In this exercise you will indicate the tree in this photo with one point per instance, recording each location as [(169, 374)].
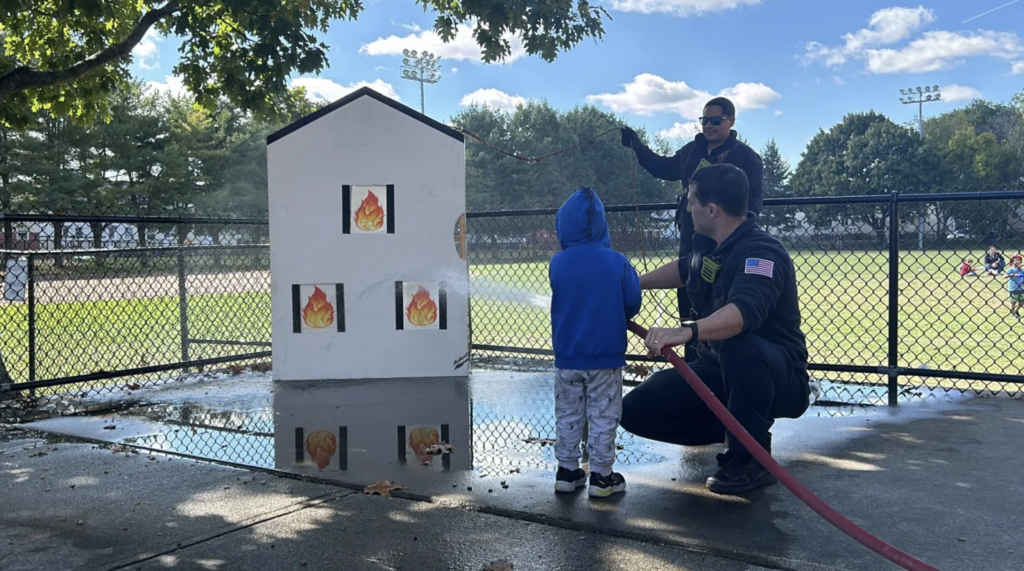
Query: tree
[(495, 181), (777, 176), (69, 56), (864, 154)]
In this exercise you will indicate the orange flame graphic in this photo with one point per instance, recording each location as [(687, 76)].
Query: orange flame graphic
[(422, 310), (370, 216), (321, 446), (319, 313), (421, 439)]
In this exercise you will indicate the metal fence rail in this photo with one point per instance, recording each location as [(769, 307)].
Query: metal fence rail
[(101, 303)]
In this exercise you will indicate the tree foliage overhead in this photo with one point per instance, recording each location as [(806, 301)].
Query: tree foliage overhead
[(67, 56)]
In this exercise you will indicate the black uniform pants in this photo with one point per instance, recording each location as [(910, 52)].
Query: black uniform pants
[(754, 379)]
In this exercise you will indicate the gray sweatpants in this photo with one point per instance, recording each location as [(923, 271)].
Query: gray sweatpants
[(596, 396)]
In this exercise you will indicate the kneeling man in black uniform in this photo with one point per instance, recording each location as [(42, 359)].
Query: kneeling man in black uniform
[(750, 350)]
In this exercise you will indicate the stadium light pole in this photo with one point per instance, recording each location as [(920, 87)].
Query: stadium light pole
[(422, 67), (920, 95)]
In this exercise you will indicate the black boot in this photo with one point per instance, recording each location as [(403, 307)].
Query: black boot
[(739, 474)]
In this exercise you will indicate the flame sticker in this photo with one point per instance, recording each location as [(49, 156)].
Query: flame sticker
[(369, 216), (422, 311), (420, 440), (321, 446), (319, 312)]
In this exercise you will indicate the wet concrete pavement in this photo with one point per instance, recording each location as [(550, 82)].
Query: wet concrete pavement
[(938, 479), (78, 506)]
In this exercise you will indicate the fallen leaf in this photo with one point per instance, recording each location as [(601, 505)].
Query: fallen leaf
[(262, 367), (962, 539), (110, 427), (499, 565), (382, 488), (236, 369), (134, 387)]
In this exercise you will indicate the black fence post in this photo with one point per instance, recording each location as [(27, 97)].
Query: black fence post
[(894, 297), (30, 285), (183, 293)]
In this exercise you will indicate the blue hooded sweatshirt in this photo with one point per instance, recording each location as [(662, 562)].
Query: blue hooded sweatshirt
[(595, 289)]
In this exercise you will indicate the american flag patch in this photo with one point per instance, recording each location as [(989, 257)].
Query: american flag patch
[(759, 266)]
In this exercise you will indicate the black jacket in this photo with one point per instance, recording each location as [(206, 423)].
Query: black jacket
[(682, 165), (768, 303)]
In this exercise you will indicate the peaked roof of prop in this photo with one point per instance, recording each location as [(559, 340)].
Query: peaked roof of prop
[(366, 92)]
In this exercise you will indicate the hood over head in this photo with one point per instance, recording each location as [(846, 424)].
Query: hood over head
[(581, 221)]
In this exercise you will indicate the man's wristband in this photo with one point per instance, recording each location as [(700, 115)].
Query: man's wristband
[(692, 325)]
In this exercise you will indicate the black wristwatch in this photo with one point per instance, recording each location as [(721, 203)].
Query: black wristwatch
[(693, 328)]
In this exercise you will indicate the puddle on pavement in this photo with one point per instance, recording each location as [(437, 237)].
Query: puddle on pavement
[(498, 423)]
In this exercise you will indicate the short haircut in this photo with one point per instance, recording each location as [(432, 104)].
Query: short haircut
[(728, 108), (725, 185)]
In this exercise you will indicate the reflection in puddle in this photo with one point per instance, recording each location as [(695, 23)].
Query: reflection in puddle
[(494, 424)]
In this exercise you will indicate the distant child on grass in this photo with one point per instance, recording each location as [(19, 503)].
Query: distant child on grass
[(595, 290), (967, 268), (1015, 285)]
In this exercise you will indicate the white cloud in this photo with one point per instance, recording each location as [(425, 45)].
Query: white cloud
[(932, 51), (461, 47), (1018, 68), (322, 89), (885, 27), (492, 98), (455, 70), (838, 80), (681, 8), (778, 112), (648, 94), (172, 85), (146, 53), (943, 50), (412, 27), (684, 131), (954, 92)]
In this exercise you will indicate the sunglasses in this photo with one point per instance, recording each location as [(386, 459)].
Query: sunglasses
[(716, 121)]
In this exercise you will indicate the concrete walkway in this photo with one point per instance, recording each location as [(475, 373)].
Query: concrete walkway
[(941, 481), (79, 506)]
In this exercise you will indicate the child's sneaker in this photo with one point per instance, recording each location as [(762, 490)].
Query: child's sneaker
[(604, 486), (569, 480)]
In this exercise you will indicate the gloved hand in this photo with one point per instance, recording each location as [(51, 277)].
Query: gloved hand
[(630, 138)]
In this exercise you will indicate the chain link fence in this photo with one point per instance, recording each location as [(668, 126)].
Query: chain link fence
[(896, 297), (888, 306)]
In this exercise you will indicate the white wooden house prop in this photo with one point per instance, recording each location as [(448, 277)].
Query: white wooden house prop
[(365, 197)]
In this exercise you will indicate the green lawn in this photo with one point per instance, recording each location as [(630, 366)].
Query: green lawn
[(945, 322), (86, 337)]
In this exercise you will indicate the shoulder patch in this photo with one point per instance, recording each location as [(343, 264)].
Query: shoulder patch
[(759, 266)]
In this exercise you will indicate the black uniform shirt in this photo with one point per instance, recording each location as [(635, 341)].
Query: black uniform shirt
[(756, 274)]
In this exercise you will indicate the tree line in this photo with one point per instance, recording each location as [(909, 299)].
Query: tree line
[(163, 153)]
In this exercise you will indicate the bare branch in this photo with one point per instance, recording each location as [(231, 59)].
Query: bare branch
[(24, 78)]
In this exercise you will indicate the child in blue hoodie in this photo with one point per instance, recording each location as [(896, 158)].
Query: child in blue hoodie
[(595, 290)]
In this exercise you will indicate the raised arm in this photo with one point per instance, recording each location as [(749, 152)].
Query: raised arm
[(665, 168)]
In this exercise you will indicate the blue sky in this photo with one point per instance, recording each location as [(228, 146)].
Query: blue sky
[(791, 66)]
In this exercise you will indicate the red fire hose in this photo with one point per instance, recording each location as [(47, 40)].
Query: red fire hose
[(792, 484)]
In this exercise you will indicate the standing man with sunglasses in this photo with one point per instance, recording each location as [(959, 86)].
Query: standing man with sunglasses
[(718, 143)]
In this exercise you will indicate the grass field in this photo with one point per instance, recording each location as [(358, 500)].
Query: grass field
[(945, 322)]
